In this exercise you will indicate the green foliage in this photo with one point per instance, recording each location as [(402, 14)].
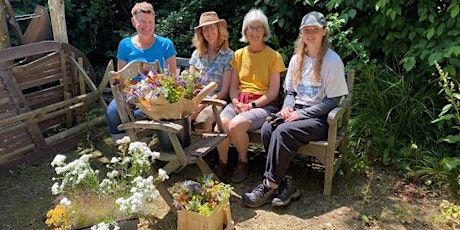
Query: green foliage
[(391, 110), (450, 114), (393, 33)]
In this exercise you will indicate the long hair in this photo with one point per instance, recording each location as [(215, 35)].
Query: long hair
[(301, 49), (202, 45)]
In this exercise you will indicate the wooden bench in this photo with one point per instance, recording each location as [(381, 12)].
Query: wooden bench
[(329, 152)]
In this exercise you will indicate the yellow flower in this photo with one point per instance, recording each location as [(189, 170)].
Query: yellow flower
[(58, 217)]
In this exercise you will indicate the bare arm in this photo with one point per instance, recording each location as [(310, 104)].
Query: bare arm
[(171, 63), (223, 93), (120, 64), (191, 69), (234, 85)]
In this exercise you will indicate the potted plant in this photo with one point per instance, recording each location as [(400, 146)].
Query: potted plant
[(85, 198), (202, 204)]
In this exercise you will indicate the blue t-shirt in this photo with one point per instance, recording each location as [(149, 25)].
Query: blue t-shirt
[(161, 50)]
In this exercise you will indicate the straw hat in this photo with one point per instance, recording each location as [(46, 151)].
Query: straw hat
[(208, 18)]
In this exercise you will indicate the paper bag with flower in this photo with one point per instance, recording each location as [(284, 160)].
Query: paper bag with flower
[(162, 96)]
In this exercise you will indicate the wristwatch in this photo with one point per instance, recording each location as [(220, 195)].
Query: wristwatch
[(253, 104)]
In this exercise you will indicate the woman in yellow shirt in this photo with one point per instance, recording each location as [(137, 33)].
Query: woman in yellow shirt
[(253, 92)]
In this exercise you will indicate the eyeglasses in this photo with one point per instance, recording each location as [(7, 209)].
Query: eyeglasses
[(255, 29), (312, 31), (208, 28)]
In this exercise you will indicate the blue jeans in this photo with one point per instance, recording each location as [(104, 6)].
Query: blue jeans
[(113, 118)]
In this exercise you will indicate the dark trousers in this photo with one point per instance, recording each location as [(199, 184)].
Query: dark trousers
[(282, 142)]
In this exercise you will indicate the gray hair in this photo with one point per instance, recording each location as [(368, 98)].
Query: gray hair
[(255, 15)]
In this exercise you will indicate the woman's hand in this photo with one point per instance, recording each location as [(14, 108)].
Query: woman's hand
[(197, 111), (286, 112), (293, 116)]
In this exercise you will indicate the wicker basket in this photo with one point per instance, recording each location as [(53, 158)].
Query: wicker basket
[(161, 110)]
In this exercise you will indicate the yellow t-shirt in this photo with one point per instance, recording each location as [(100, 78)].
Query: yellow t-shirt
[(254, 69)]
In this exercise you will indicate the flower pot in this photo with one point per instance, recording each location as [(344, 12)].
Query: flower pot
[(183, 135), (220, 218)]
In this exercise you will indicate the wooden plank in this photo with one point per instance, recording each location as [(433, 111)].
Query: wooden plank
[(57, 15), (14, 140), (44, 71), (43, 110), (45, 97), (57, 143), (37, 65), (18, 52), (21, 105), (4, 33)]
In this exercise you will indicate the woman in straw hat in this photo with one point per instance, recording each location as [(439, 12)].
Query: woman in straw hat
[(212, 59), (315, 82), (253, 91)]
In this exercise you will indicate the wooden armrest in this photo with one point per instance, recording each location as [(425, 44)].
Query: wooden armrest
[(335, 114), (210, 101), (158, 125)]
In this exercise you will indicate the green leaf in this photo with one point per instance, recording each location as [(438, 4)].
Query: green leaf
[(352, 13), (430, 33), (455, 62), (456, 50), (454, 12), (409, 63), (446, 109), (444, 118), (451, 70), (452, 139), (281, 22), (456, 95), (450, 163)]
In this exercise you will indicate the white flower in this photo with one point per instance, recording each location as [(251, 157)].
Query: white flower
[(55, 188), (112, 174), (124, 140), (101, 226), (65, 202), (162, 175), (58, 160), (115, 160)]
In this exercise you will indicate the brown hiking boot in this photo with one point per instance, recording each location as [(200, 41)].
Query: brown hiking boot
[(220, 169), (241, 172)]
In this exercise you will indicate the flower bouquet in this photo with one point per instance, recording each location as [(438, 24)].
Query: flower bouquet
[(87, 199), (202, 204), (163, 96)]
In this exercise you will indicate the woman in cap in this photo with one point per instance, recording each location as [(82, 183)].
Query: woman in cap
[(253, 91), (315, 82), (212, 59)]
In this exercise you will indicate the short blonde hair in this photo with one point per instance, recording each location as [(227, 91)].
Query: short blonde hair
[(255, 15), (143, 7)]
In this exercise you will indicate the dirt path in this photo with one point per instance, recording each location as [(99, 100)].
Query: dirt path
[(388, 203)]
